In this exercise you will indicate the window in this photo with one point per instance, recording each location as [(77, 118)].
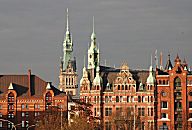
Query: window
[(117, 98), (108, 126), (27, 114), (108, 111), (127, 98), (139, 98), (122, 87), (151, 111), (190, 104), (164, 94), (164, 104), (27, 123), (23, 114), (1, 107), (23, 124), (9, 125), (177, 82), (121, 99), (1, 115), (1, 124), (118, 87), (10, 115), (22, 106), (27, 106), (141, 111), (164, 115), (126, 87)]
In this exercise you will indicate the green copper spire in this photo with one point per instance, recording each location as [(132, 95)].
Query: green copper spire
[(67, 45)]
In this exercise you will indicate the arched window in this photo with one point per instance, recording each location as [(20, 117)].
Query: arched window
[(118, 87), (163, 82), (66, 81), (160, 82), (72, 81), (177, 82), (122, 87)]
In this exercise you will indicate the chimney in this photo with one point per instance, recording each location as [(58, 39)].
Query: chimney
[(29, 82)]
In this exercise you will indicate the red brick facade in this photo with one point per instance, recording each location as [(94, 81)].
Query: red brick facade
[(121, 89), (23, 98), (174, 96)]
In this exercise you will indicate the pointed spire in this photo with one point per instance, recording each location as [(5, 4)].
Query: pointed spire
[(156, 58), (169, 64), (161, 61), (67, 28), (177, 59)]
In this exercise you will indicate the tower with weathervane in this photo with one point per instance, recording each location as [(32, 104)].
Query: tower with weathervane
[(68, 81)]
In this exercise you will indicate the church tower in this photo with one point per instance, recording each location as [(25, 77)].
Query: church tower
[(68, 73), (93, 55)]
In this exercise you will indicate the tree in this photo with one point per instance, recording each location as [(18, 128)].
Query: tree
[(126, 118)]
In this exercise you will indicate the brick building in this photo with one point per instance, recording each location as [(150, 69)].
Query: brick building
[(113, 91), (23, 98), (174, 96)]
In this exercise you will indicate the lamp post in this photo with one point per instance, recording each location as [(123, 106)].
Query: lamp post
[(10, 122)]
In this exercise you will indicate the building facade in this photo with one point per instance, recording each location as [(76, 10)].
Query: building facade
[(116, 93), (174, 96), (68, 81), (23, 98)]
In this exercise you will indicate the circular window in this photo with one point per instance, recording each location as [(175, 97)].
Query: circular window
[(163, 94)]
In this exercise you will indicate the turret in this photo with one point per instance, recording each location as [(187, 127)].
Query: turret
[(93, 52), (150, 79), (97, 80)]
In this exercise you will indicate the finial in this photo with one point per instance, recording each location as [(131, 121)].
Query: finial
[(84, 61), (184, 61)]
